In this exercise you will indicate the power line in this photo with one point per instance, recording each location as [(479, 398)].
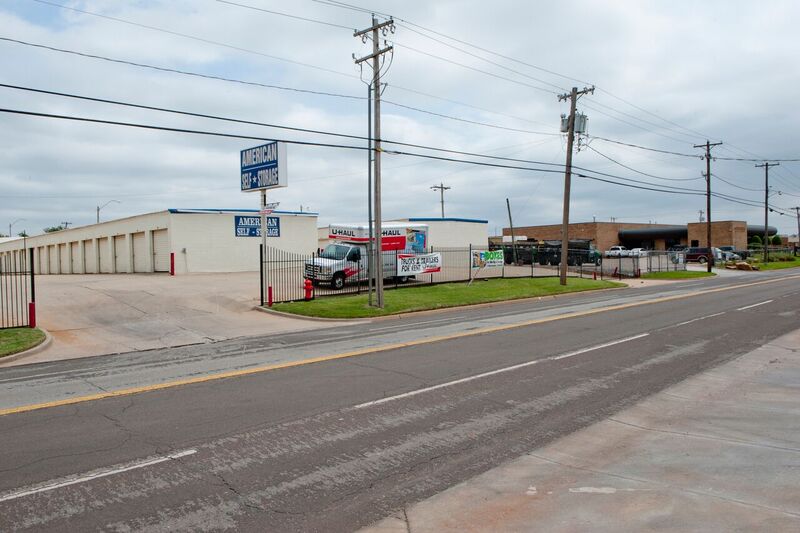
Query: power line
[(178, 71), (638, 171), (640, 147), (263, 124), (293, 89), (288, 15)]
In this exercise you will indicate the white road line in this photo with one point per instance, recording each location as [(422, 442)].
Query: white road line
[(697, 319), (498, 371), (754, 305), (72, 480)]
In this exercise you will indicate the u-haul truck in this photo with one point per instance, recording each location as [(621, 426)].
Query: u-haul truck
[(345, 259)]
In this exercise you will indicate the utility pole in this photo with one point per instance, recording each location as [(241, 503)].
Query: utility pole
[(66, 224), (766, 166), (371, 243), (797, 210), (376, 29), (441, 188), (573, 98), (708, 145), (513, 240), (701, 214)]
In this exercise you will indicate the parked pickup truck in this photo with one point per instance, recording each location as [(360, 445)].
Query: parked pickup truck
[(617, 251), (345, 260)]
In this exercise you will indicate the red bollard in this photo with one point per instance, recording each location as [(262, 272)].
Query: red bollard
[(32, 314), (309, 288), (269, 296), (172, 263), (594, 275)]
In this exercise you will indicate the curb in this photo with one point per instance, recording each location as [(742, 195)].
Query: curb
[(48, 339), (309, 318), (430, 311)]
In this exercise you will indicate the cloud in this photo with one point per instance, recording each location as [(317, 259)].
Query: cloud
[(716, 69)]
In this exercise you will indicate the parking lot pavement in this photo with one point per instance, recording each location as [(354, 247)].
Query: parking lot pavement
[(717, 452), (113, 313)]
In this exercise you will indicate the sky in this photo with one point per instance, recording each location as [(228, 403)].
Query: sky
[(466, 76)]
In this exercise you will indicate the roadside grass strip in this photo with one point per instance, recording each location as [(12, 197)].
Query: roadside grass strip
[(779, 265), (15, 340), (679, 274), (427, 297)]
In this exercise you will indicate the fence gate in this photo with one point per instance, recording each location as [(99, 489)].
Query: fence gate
[(17, 291)]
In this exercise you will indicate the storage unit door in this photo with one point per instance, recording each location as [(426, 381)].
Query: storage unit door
[(105, 255), (139, 252), (88, 257), (161, 250), (75, 257), (121, 254), (53, 251), (63, 251)]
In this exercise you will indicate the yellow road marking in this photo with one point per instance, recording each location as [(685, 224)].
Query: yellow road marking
[(366, 351)]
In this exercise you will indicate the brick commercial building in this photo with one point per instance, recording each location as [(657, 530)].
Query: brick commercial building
[(651, 236)]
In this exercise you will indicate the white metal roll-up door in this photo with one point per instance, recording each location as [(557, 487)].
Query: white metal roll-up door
[(75, 257), (52, 250), (120, 254), (63, 252), (161, 250), (105, 255), (88, 257), (139, 252)]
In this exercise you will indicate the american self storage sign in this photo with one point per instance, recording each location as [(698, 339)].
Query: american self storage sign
[(264, 167), (250, 226)]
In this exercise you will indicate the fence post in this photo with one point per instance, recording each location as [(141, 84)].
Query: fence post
[(32, 303), (261, 272), (432, 272), (469, 262)]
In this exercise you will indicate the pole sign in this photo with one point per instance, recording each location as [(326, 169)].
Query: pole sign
[(264, 167), (250, 226), (487, 259)]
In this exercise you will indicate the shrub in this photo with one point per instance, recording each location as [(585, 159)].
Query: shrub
[(777, 241)]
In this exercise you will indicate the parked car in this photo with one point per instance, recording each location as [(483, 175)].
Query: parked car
[(677, 248), (729, 253), (617, 251), (698, 255), (638, 252)]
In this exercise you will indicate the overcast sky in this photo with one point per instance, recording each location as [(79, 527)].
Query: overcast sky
[(668, 75)]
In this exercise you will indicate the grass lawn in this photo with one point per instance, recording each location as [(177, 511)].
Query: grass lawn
[(16, 340), (778, 265), (438, 296), (679, 274)]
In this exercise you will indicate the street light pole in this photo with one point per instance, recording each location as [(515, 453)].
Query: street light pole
[(12, 224), (99, 207)]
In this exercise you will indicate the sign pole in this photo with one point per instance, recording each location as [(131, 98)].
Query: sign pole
[(263, 212)]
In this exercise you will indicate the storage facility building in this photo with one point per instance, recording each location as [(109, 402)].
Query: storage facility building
[(184, 240)]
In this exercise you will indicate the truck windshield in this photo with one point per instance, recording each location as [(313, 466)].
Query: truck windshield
[(335, 251)]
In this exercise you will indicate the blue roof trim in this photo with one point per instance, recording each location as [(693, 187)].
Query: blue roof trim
[(196, 211), (448, 219)]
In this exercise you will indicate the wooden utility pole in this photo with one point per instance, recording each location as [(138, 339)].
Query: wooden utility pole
[(441, 188), (376, 30), (708, 145), (513, 240), (766, 166), (573, 98)]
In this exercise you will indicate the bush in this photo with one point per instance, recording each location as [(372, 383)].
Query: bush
[(756, 241), (777, 241)]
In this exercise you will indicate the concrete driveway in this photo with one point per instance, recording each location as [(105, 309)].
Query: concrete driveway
[(113, 313)]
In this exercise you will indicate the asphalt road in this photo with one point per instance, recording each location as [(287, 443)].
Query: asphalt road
[(338, 444)]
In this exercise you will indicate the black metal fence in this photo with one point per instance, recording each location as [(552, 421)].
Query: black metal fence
[(17, 290), (288, 276)]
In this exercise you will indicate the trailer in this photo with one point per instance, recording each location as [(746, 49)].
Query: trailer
[(580, 251)]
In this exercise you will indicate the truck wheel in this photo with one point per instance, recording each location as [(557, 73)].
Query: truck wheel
[(337, 281), (702, 260), (402, 279)]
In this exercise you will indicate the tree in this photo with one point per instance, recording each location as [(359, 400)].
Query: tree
[(3, 235), (756, 242), (777, 241), (23, 233), (51, 229)]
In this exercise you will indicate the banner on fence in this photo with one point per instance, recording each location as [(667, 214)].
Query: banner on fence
[(487, 259), (411, 264)]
